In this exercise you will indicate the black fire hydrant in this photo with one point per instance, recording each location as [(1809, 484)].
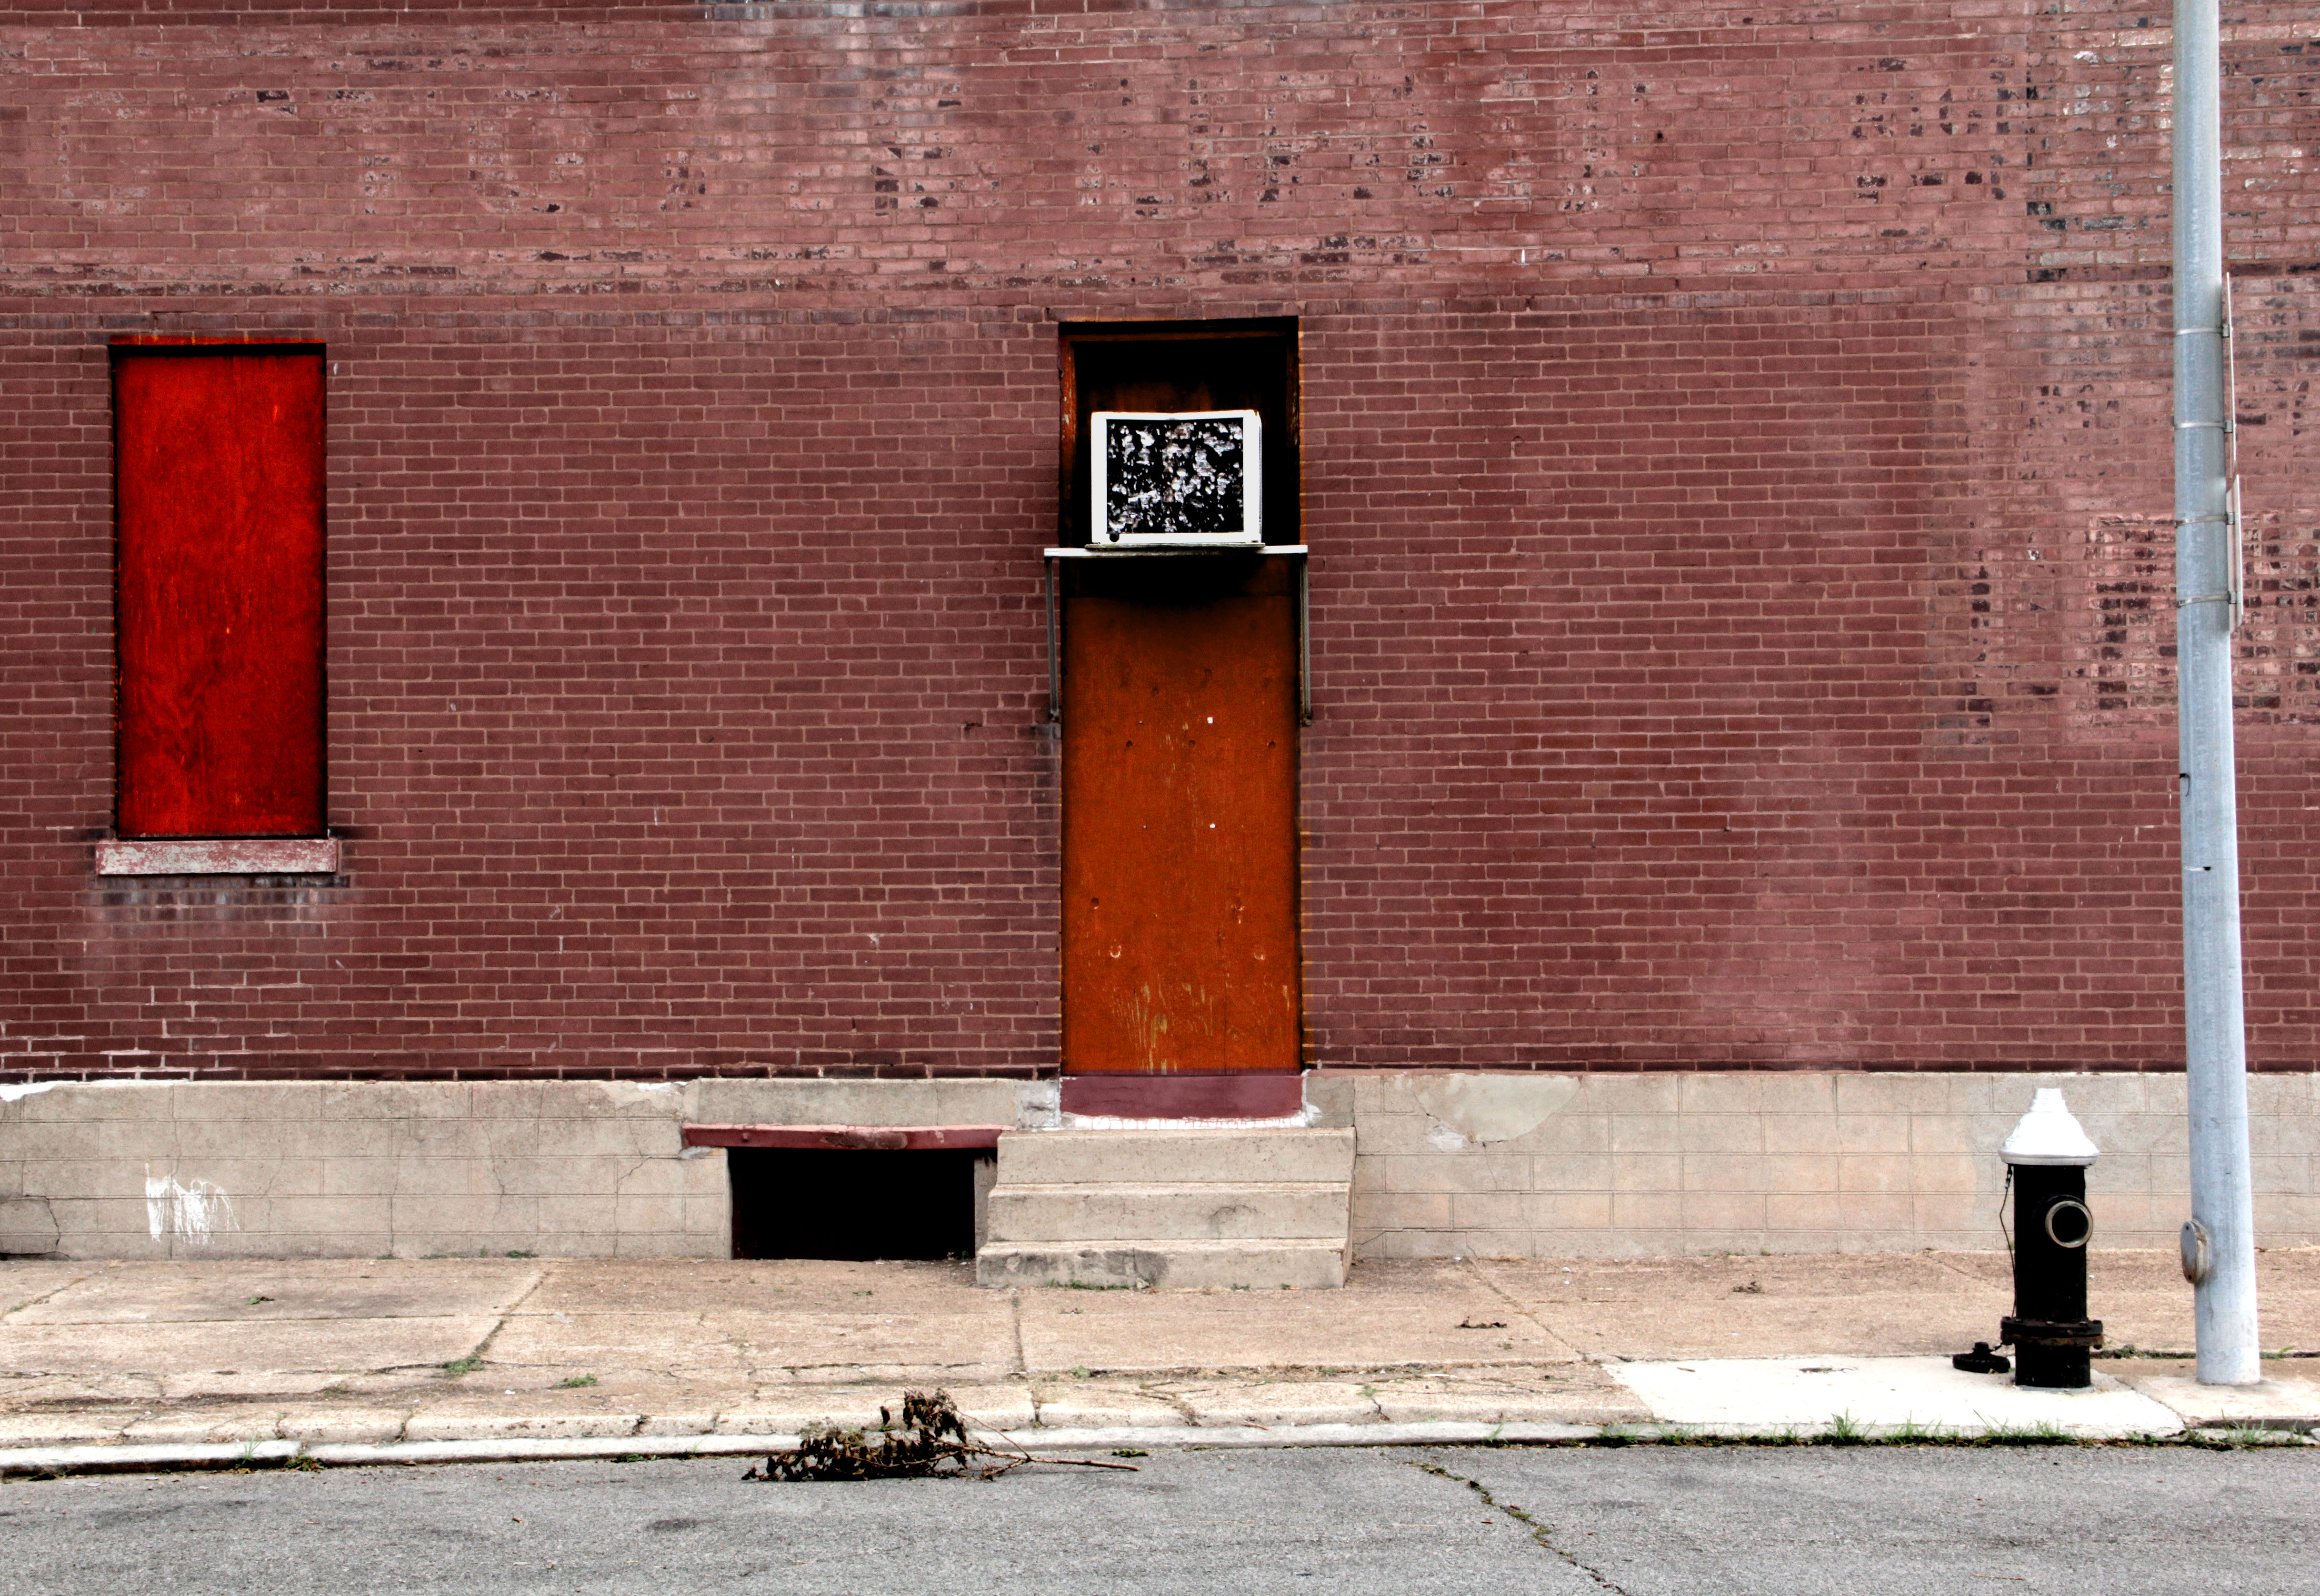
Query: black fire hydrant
[(2047, 1161)]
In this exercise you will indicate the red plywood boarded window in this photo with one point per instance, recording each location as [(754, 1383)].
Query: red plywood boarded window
[(217, 503)]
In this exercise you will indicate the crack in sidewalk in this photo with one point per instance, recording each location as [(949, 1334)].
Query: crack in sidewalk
[(1484, 1277), (474, 1356), (44, 1296), (1540, 1532)]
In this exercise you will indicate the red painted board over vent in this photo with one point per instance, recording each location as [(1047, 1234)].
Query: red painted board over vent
[(217, 503)]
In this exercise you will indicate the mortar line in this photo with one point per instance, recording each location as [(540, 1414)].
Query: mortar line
[(1540, 1533)]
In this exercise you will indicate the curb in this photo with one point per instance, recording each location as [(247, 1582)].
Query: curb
[(132, 1459), (51, 1461)]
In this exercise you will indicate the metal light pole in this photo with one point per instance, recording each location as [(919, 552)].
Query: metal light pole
[(2219, 1243)]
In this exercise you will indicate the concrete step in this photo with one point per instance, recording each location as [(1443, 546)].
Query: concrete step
[(1174, 1158), (1169, 1212), (1260, 1265)]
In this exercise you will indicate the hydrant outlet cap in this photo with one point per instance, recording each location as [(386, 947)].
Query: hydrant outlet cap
[(2048, 1134)]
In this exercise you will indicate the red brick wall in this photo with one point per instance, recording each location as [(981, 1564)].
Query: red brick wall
[(1736, 457)]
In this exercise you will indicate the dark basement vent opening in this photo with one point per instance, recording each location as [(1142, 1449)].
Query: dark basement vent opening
[(812, 1202)]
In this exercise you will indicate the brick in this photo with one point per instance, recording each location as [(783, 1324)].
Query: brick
[(1736, 471)]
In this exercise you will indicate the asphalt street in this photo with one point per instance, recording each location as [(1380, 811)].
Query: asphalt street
[(1643, 1520)]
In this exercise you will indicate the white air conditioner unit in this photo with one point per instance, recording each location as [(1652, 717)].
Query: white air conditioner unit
[(1191, 479)]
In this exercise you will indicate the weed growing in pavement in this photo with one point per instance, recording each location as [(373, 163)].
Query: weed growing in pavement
[(1540, 1532), (1843, 1432), (576, 1382), (2236, 1438), (2045, 1433), (463, 1365)]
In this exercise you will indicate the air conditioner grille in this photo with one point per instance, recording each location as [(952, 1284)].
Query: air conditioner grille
[(1172, 478)]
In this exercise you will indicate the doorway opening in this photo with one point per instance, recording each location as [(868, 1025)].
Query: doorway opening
[(1180, 707)]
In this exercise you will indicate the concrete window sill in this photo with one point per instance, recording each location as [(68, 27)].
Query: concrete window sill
[(227, 856)]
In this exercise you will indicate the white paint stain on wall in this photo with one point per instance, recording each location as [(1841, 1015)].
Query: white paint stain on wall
[(189, 1213), (33, 1088)]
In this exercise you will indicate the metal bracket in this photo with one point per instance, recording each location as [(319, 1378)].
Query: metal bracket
[(2239, 557), (1054, 656), (1304, 643), (2231, 363), (2232, 445), (2234, 591)]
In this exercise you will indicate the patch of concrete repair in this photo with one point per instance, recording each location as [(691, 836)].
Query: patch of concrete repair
[(1880, 1396), (1480, 1110)]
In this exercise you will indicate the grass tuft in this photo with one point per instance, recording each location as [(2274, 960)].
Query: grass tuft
[(1843, 1430)]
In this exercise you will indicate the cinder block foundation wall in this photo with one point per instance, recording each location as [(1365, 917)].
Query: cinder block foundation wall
[(1448, 1164), (1529, 1165), (330, 1169)]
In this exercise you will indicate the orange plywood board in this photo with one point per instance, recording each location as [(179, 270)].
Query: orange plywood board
[(1180, 818)]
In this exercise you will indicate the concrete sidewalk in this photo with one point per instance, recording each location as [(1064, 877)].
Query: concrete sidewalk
[(395, 1356)]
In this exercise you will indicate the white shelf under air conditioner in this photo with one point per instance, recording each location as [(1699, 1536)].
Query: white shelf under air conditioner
[(1144, 548)]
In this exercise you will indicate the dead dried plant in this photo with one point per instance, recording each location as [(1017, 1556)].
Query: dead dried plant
[(929, 1443)]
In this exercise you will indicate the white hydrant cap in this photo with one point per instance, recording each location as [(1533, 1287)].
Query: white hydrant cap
[(2049, 1134)]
